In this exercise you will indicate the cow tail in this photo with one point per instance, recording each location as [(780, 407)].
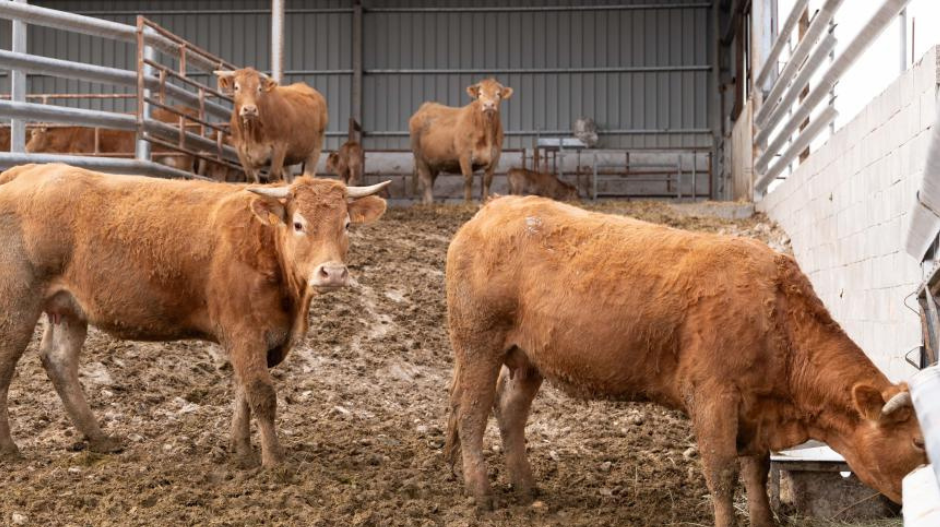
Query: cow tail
[(452, 443)]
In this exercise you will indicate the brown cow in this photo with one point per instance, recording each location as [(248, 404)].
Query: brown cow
[(280, 125), (523, 182), (349, 162), (723, 328), (155, 259), (459, 140)]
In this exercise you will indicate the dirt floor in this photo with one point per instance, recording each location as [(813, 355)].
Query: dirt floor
[(362, 406)]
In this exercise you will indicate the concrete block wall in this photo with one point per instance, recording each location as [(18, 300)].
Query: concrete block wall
[(846, 211)]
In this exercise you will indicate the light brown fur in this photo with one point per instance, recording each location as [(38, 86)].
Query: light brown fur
[(459, 140), (349, 162), (607, 307), (288, 129), (159, 260), (524, 182)]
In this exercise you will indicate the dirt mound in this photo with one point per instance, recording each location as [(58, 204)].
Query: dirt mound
[(362, 407)]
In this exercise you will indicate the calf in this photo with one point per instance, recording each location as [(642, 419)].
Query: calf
[(459, 140), (607, 307), (349, 162), (272, 124), (523, 182), (159, 260)]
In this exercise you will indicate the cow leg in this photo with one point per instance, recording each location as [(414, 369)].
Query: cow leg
[(241, 425), (487, 181), (251, 371), (754, 472), (59, 351), (252, 172), (515, 389), (466, 168), (714, 416), (472, 400), (310, 165), (277, 165), (19, 313)]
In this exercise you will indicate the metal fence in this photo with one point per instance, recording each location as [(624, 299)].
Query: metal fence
[(783, 124), (160, 80)]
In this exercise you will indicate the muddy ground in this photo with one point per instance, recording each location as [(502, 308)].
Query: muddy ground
[(362, 406)]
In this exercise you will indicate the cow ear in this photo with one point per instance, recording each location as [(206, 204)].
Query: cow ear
[(868, 401), (366, 210), (226, 81), (268, 83), (269, 211), (473, 91), (505, 93)]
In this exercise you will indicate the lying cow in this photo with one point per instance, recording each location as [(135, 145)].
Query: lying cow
[(459, 140), (723, 328), (524, 182), (231, 264), (349, 162), (280, 125)]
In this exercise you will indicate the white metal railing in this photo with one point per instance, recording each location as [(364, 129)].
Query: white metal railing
[(777, 120), (153, 90)]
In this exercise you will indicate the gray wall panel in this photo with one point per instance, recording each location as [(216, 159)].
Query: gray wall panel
[(432, 40)]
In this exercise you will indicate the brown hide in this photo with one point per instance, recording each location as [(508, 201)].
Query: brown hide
[(349, 162), (154, 259), (607, 307), (285, 126), (5, 138), (524, 182), (459, 140)]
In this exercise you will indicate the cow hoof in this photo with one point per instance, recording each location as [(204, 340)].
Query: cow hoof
[(271, 460), (10, 454), (245, 460), (525, 494), (481, 504), (106, 445)]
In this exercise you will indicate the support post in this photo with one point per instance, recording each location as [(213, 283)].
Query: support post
[(144, 109), (18, 87), (902, 20), (356, 110), (277, 40)]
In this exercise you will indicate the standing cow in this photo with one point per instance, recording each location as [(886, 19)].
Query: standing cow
[(280, 125), (459, 140), (160, 260), (349, 162), (723, 328), (525, 182)]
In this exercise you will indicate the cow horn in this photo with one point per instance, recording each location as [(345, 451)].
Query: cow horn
[(899, 400), (272, 192), (223, 73), (361, 192)]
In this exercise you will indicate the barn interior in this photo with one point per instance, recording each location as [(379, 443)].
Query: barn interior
[(806, 124)]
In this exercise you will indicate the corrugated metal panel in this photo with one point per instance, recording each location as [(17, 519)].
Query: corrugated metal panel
[(671, 103)]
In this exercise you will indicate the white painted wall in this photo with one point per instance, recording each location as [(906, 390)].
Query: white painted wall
[(846, 211)]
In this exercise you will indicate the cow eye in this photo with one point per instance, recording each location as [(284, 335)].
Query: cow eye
[(237, 87), (259, 88), (919, 444), (299, 227)]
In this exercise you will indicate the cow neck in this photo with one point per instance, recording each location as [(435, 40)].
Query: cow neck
[(826, 365), (489, 126), (251, 131)]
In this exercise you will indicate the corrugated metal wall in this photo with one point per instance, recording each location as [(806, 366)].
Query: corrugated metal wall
[(642, 74)]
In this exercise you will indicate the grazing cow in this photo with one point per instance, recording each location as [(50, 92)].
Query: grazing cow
[(349, 162), (459, 140), (160, 260), (280, 125), (608, 307), (523, 182)]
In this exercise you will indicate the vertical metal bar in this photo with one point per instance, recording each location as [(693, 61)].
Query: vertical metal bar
[(144, 110), (594, 178), (714, 109), (902, 20), (18, 87), (694, 176), (679, 177), (356, 110), (277, 40)]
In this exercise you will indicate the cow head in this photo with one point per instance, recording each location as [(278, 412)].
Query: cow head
[(248, 87), (490, 93), (38, 140), (311, 219), (333, 163), (887, 443)]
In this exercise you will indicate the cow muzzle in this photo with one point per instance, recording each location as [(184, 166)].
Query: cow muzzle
[(331, 275), (248, 112)]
